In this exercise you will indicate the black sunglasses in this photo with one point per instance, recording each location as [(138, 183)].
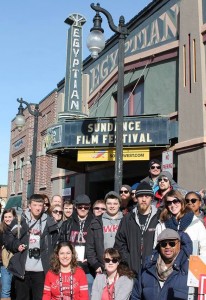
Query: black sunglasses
[(113, 260), (58, 212), (174, 201), (99, 208), (163, 179), (164, 244), (83, 207), (191, 200), (155, 167), (125, 192), (132, 194)]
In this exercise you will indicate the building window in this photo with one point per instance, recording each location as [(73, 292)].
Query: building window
[(133, 100), (21, 173)]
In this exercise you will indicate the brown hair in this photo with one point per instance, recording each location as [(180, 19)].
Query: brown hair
[(166, 214), (3, 226), (101, 201), (122, 269), (55, 263), (36, 198)]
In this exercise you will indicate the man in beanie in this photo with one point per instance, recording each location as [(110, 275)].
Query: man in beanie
[(75, 230), (125, 195), (154, 171), (135, 235), (165, 273), (164, 183)]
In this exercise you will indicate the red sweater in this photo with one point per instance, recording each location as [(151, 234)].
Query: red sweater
[(52, 288)]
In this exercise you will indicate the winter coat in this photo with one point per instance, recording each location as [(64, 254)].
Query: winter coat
[(129, 236), (18, 261), (196, 231), (122, 287), (175, 287), (95, 241), (69, 232)]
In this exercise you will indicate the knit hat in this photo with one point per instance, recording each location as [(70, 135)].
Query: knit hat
[(113, 195), (168, 234), (126, 186), (166, 174), (144, 189), (82, 199), (154, 161)]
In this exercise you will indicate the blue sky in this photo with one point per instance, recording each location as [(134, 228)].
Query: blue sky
[(33, 51)]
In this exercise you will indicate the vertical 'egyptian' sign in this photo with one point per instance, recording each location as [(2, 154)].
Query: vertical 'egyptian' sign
[(73, 79)]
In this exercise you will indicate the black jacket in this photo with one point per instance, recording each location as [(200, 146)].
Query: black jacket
[(129, 236), (69, 232), (18, 261)]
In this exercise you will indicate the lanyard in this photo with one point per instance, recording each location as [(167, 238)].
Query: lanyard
[(111, 294), (80, 238), (61, 286)]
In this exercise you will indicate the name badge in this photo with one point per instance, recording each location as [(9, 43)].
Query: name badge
[(80, 250)]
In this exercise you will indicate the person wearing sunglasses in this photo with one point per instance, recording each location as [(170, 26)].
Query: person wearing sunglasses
[(194, 201), (166, 270), (102, 231), (116, 282), (75, 231), (99, 207), (177, 215), (126, 200), (154, 171), (56, 212), (164, 184)]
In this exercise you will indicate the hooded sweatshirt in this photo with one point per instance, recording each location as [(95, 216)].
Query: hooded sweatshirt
[(110, 227)]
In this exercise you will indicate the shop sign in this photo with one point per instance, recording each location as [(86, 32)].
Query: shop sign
[(167, 161), (109, 155)]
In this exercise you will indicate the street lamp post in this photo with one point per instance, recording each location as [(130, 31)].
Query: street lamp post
[(20, 121), (96, 43)]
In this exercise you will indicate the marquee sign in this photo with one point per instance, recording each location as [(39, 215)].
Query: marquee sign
[(101, 132)]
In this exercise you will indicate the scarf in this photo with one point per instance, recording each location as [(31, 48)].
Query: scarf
[(164, 271), (180, 225)]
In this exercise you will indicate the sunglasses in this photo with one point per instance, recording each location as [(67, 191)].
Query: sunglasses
[(125, 192), (113, 260), (163, 179), (191, 200), (174, 201), (155, 167), (132, 194), (99, 208), (164, 244), (60, 212), (47, 204), (83, 207)]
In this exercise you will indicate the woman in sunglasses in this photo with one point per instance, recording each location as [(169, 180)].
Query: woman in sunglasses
[(99, 207), (65, 280), (194, 201), (117, 281), (56, 212), (178, 216)]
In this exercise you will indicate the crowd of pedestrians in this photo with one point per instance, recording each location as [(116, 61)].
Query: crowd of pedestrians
[(131, 245)]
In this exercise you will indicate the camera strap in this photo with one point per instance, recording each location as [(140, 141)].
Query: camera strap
[(29, 229)]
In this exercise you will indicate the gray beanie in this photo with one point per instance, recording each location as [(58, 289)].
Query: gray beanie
[(166, 174)]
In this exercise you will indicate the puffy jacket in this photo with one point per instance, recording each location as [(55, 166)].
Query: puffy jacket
[(18, 261), (147, 285), (129, 236)]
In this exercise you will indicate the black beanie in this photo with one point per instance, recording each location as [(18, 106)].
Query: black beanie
[(144, 189)]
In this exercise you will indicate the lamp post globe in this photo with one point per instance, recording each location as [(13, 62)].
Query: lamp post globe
[(95, 42)]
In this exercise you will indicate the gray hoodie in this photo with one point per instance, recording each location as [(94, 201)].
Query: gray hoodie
[(110, 227)]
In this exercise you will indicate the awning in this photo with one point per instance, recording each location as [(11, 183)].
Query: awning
[(14, 201)]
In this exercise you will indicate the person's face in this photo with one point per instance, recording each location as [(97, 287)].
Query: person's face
[(169, 249), (194, 203), (112, 206), (82, 210), (68, 210), (174, 205), (144, 203), (36, 208), (57, 213), (8, 217), (111, 264), (155, 170), (124, 193), (46, 204), (65, 256), (133, 196), (164, 183), (57, 200), (99, 209)]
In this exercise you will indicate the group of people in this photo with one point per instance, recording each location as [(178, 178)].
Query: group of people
[(134, 244)]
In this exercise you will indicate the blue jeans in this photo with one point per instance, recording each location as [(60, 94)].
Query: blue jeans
[(90, 280), (6, 278)]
